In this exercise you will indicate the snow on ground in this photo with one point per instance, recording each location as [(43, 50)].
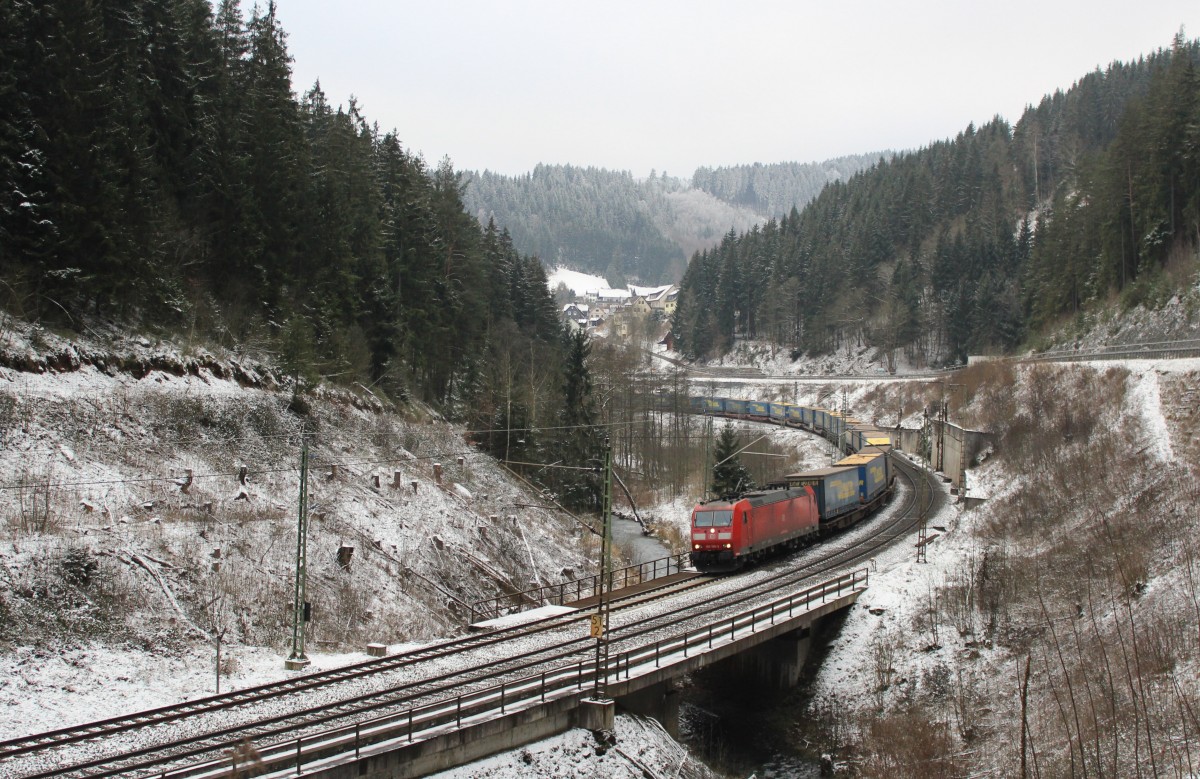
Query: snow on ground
[(1145, 400), (851, 360), (642, 749), (1174, 320), (579, 283), (44, 688), (881, 635), (898, 587), (102, 439)]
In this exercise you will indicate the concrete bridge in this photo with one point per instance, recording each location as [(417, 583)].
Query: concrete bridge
[(768, 641)]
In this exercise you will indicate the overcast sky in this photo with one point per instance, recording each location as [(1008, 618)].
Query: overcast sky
[(675, 84)]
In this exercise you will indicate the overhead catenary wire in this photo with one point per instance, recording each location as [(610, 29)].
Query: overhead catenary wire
[(236, 474), (296, 436), (633, 437)]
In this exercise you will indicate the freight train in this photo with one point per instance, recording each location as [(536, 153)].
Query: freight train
[(734, 530)]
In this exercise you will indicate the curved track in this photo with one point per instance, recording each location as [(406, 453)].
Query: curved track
[(149, 742)]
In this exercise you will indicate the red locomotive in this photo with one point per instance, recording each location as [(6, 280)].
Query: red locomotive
[(727, 534)]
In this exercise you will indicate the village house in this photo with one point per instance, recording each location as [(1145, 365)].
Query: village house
[(616, 307)]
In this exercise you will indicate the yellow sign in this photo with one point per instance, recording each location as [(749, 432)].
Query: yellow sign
[(597, 626)]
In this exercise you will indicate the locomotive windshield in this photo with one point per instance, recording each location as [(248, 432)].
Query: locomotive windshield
[(717, 518)]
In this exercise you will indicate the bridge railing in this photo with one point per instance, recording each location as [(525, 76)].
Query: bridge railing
[(727, 631), (420, 723), (578, 589), (1171, 351)]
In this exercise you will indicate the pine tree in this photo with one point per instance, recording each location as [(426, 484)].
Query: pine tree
[(730, 476), (578, 440), (278, 209)]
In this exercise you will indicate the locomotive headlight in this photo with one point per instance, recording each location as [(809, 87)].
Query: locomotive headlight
[(729, 546)]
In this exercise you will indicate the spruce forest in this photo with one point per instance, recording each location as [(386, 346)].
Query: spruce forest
[(642, 230), (158, 170), (981, 243)]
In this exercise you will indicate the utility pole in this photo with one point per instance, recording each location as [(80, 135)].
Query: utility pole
[(708, 439), (297, 659), (923, 529), (600, 619), (947, 389), (845, 416), (943, 417)]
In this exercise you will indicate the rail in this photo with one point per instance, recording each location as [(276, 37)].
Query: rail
[(1159, 350), (421, 722), (577, 589)]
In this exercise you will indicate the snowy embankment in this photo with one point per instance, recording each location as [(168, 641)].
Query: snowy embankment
[(147, 515), (943, 645), (114, 467), (641, 748)]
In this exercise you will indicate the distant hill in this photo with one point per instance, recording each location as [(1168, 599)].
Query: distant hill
[(642, 230), (974, 244), (773, 190)]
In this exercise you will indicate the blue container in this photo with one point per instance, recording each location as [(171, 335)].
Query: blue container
[(758, 408), (861, 435), (836, 489), (735, 407), (873, 473)]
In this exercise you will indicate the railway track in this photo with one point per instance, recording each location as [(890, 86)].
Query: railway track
[(363, 695), (108, 728)]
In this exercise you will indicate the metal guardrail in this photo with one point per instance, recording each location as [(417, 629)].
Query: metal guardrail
[(421, 722), (1160, 350), (578, 589), (1156, 350)]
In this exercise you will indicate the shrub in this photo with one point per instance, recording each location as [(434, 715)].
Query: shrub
[(909, 743), (78, 567)]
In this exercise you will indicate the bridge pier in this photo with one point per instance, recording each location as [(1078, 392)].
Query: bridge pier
[(596, 715), (659, 701), (774, 665), (642, 679)]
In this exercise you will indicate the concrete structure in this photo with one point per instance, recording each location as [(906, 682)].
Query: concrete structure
[(457, 730), (953, 449), (950, 448)]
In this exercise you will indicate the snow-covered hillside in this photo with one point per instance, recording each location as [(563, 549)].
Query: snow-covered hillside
[(118, 571), (146, 514), (1081, 558)]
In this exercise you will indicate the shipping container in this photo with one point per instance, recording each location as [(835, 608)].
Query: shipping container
[(861, 433), (878, 444), (737, 408), (874, 474), (835, 488), (758, 408)]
